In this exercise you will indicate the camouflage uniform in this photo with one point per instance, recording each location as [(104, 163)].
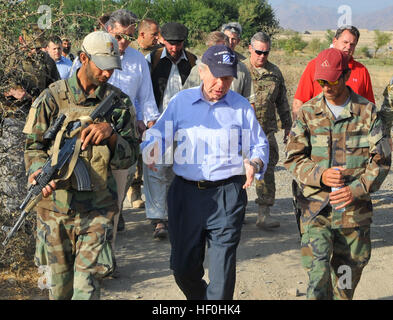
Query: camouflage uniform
[(74, 228), (134, 44), (270, 96), (32, 72), (332, 239)]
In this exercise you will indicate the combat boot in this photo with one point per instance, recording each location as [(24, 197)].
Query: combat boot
[(264, 219), (134, 196)]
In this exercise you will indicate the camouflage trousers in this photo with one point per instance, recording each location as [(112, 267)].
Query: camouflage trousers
[(334, 258), (76, 250), (266, 188)]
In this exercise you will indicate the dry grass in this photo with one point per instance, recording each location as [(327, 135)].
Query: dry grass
[(367, 37), (292, 68), (21, 285)]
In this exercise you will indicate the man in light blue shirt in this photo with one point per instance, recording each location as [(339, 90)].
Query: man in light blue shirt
[(217, 147), (55, 49)]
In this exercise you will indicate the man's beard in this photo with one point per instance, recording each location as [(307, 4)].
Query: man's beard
[(66, 50), (91, 77)]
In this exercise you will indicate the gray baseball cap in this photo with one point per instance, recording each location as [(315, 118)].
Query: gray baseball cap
[(102, 49)]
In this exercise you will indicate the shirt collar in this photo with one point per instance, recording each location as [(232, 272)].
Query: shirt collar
[(198, 96), (183, 55), (60, 60), (351, 62), (321, 106)]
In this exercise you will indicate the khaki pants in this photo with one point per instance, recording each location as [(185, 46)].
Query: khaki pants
[(122, 178)]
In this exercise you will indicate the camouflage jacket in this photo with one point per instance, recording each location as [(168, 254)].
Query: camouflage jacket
[(135, 45), (33, 72), (242, 84), (41, 116), (386, 111), (270, 96), (354, 140)]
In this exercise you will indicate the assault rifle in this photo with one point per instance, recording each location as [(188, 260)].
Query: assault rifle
[(50, 172)]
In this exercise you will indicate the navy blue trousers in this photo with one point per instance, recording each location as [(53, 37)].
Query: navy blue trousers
[(212, 216)]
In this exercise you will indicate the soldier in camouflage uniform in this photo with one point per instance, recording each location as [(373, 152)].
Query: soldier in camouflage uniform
[(74, 228), (270, 96), (147, 41), (23, 76), (337, 141)]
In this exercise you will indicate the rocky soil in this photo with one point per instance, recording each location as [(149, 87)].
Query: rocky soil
[(268, 262)]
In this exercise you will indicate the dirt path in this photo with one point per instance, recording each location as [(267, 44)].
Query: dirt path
[(268, 262)]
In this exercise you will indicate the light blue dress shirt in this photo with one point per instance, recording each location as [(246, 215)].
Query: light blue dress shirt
[(207, 141), (64, 66)]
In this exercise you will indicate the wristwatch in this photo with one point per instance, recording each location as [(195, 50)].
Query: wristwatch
[(256, 165)]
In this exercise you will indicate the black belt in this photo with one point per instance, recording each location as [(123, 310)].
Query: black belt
[(206, 184)]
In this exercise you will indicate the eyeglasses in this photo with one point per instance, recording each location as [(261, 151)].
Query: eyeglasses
[(259, 52), (126, 37), (325, 82)]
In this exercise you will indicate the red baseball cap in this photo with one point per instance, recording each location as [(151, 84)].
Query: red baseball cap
[(330, 64)]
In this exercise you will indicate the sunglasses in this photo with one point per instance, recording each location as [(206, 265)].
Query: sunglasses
[(127, 37), (259, 52), (325, 82)]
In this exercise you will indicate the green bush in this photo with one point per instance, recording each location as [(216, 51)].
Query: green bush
[(292, 44), (365, 51)]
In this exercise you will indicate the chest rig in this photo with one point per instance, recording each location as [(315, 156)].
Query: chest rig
[(96, 158)]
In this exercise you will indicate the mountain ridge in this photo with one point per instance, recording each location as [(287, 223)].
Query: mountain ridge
[(295, 16)]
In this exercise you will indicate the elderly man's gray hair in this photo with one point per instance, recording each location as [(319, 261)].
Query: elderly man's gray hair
[(262, 37), (122, 16), (233, 27)]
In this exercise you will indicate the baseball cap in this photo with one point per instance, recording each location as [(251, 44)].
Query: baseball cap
[(174, 31), (330, 64), (102, 49), (221, 60)]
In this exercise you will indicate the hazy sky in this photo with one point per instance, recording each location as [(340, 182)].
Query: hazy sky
[(356, 5)]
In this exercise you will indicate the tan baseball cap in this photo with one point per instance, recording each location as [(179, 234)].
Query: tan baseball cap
[(102, 49)]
